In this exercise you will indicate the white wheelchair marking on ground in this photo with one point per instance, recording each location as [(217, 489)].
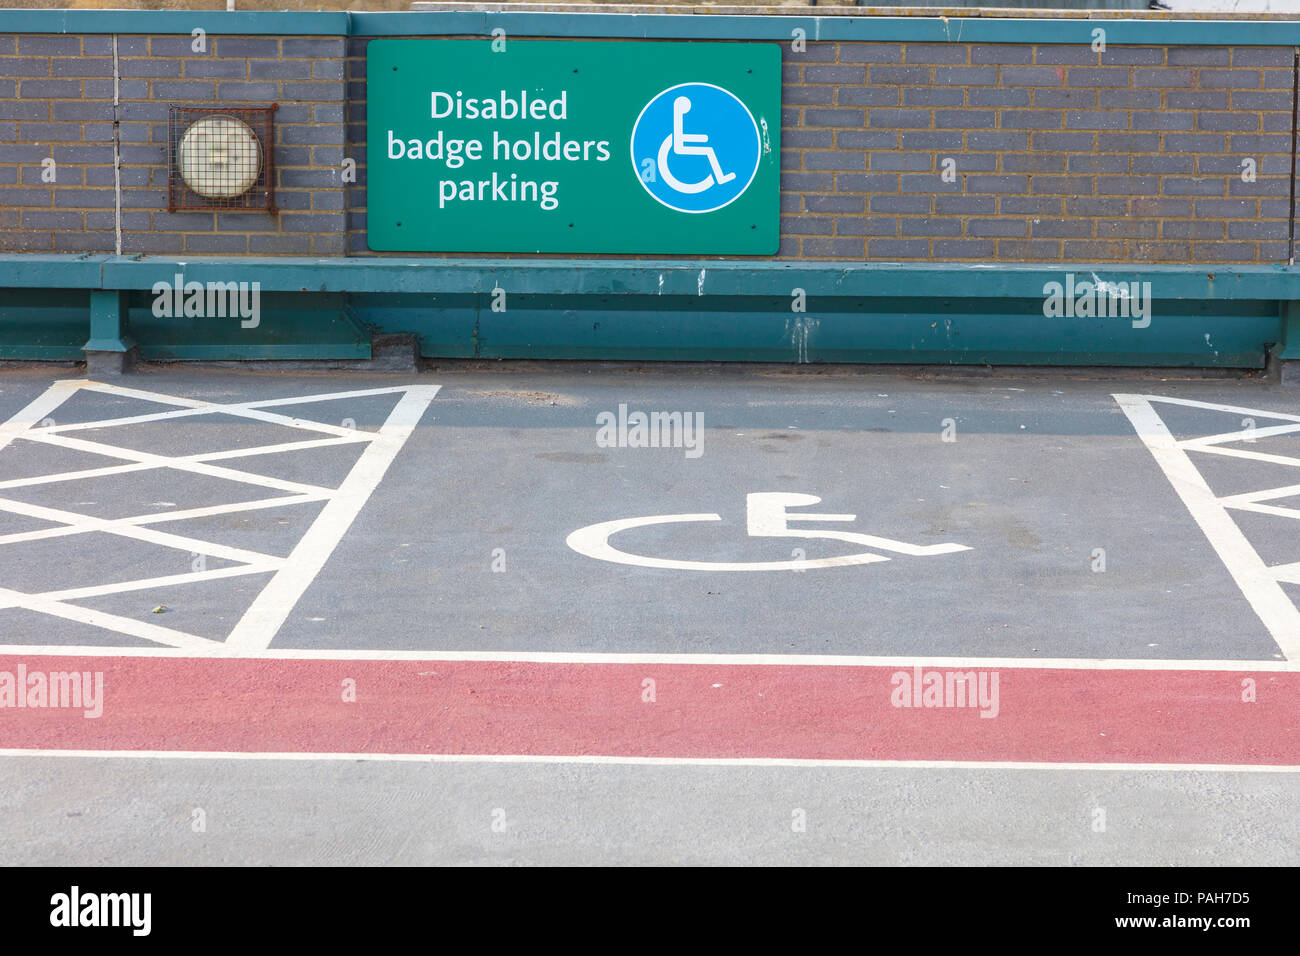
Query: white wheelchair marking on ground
[(766, 517), (292, 574), (678, 141), (1259, 582)]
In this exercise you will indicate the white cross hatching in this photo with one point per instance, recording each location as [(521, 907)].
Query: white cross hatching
[(291, 575), (1261, 583)]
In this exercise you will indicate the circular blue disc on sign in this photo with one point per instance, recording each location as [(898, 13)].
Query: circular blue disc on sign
[(695, 147)]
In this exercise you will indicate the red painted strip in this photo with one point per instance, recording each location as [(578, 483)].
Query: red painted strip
[(455, 707)]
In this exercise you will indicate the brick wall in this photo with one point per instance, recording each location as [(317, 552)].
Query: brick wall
[(1058, 153)]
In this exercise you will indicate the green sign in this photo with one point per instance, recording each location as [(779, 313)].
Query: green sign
[(502, 145)]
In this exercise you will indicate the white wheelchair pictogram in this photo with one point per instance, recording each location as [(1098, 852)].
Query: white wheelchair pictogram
[(683, 143), (766, 517)]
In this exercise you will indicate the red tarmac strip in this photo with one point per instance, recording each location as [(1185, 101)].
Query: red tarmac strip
[(759, 711)]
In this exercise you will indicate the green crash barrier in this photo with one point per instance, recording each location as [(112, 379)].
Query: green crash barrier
[(311, 309)]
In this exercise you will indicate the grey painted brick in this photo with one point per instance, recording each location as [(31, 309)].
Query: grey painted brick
[(791, 73), (1190, 229), (806, 182), (900, 75), (864, 95), (1272, 251), (277, 243), (1099, 76), (82, 198), (51, 219), (904, 204), (1164, 119), (808, 96), (152, 242), (935, 53), (1068, 98), (1231, 165), (308, 178), (889, 249), (24, 66), (1033, 162), (50, 89), (842, 118), (279, 69), (1029, 206), (1276, 122), (1098, 250), (1001, 53), (871, 53), (245, 222), (928, 226), (1262, 56), (904, 162), (965, 205), (22, 153), (50, 132), (834, 73), (1096, 206), (966, 75), (1191, 186), (1164, 78), (791, 159), (234, 91), (834, 159), (1270, 186), (964, 249), (1018, 185), (69, 175), (931, 139), (8, 89), (132, 46), (175, 46), (1031, 119), (800, 225), (835, 203), (995, 96), (1128, 99), (1226, 208), (1096, 119), (1061, 228), (814, 53), (966, 119), (330, 156), (314, 47), (95, 154), (1277, 79), (866, 183), (1126, 185), (1160, 251), (1236, 122), (878, 117), (314, 90), (1099, 163), (1222, 252), (1160, 207), (84, 242), (1198, 56), (1195, 143), (299, 200), (1001, 140), (1077, 53), (97, 132), (790, 138), (1065, 185), (92, 66), (1248, 144), (49, 46), (838, 248), (26, 110), (1164, 164), (1032, 76), (926, 183), (144, 198), (247, 47), (1113, 142), (332, 245), (106, 220), (932, 96), (1264, 229), (235, 244), (860, 226), (1274, 208), (1196, 100), (82, 110), (182, 221), (149, 68), (1126, 229), (8, 175), (127, 89), (185, 90), (972, 162), (1133, 56), (1010, 228), (1229, 79)]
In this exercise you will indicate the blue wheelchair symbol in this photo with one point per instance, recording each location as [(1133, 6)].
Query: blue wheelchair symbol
[(695, 147)]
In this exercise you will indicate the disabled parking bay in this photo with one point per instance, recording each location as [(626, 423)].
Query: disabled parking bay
[(470, 570)]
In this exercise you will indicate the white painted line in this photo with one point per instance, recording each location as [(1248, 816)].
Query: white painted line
[(266, 615), (1253, 576), (36, 411), (601, 760), (712, 660), (1243, 435), (1213, 407), (112, 622), (1250, 455)]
